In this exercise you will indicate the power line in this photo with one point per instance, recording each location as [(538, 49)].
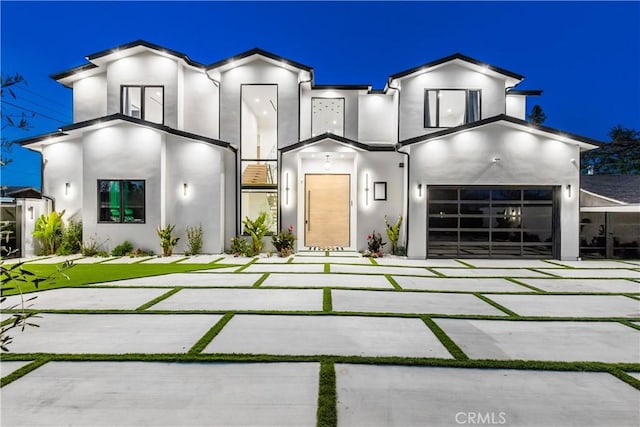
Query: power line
[(34, 112), (41, 96), (57, 112)]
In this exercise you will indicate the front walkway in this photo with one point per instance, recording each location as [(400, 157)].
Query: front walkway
[(304, 340)]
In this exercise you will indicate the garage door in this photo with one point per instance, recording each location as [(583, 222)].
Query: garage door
[(498, 222)]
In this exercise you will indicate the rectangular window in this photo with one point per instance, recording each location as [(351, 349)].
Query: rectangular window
[(327, 115), (444, 108), (143, 102), (121, 201)]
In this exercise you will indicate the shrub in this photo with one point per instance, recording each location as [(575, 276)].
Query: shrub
[(167, 241), (91, 247), (239, 246), (194, 240), (48, 230), (283, 241), (257, 229), (393, 233), (374, 245), (122, 249), (141, 252), (71, 242)]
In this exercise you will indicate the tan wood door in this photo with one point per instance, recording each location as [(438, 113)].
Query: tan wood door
[(327, 207)]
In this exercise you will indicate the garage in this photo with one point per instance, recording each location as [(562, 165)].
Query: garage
[(492, 222)]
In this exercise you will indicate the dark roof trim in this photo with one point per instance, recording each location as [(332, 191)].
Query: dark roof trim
[(498, 118), (341, 87), (63, 131), (340, 139), (258, 51), (529, 92), (72, 71), (146, 44), (453, 57)]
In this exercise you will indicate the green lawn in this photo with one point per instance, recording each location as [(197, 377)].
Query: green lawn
[(84, 274)]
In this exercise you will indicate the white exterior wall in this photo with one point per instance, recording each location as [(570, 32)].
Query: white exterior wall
[(145, 69), (200, 112), (123, 152), (466, 159), (63, 162), (30, 246), (199, 165), (90, 98), (377, 121), (259, 72), (517, 106), (449, 76)]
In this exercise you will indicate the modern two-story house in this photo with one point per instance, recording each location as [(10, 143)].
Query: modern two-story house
[(160, 139)]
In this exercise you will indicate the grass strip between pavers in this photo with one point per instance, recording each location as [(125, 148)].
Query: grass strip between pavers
[(373, 261), (621, 375), (630, 324), (327, 268), (327, 414), (245, 266), (393, 282), (203, 342), (495, 304), (19, 373), (446, 341), (466, 264), (261, 280), (327, 302), (158, 299), (518, 282)]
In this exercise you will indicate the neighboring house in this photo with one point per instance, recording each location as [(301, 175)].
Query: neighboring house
[(610, 216), (160, 139)]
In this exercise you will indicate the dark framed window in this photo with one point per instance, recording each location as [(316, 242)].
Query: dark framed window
[(121, 201), (327, 115), (445, 108), (143, 102)]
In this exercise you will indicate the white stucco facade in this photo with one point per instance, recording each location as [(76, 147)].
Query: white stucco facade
[(210, 159)]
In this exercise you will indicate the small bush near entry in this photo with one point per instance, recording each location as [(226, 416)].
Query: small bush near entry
[(283, 242), (257, 229), (393, 233), (123, 249), (48, 231), (167, 241), (194, 240), (239, 246), (71, 241), (375, 244), (91, 247)]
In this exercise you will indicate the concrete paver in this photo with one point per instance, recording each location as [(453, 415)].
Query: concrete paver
[(327, 280), (332, 260), (584, 285), (510, 263), (55, 259), (402, 262), (200, 259), (462, 285), (594, 264), (163, 394), (190, 279), (128, 259), (410, 302), (634, 374), (331, 335), (113, 333), (230, 259), (285, 268), (164, 259), (376, 269), (243, 299), (489, 272), (424, 396), (570, 305), (595, 273), (544, 340), (275, 259), (92, 260), (89, 298), (7, 367)]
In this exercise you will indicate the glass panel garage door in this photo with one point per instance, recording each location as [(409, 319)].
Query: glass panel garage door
[(499, 222)]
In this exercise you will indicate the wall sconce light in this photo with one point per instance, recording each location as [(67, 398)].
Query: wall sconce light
[(286, 189), (366, 189), (495, 159), (420, 190), (569, 190), (327, 164), (573, 161), (67, 186), (30, 209), (185, 187)]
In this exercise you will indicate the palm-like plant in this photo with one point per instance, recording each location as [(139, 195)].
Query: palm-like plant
[(257, 229), (48, 230)]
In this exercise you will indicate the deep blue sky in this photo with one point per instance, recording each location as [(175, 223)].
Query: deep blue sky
[(584, 55)]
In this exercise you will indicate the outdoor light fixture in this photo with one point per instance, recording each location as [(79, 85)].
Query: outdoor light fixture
[(569, 190), (30, 212), (185, 187), (327, 164), (366, 189), (419, 190), (286, 188), (495, 159), (67, 186)]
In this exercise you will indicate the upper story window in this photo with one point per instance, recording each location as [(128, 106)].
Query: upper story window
[(445, 108), (327, 115), (121, 201), (143, 102)]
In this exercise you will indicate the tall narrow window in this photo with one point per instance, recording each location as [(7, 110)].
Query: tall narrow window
[(259, 152), (143, 102), (121, 201), (444, 108), (327, 115)]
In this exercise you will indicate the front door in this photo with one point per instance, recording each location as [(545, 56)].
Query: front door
[(327, 207)]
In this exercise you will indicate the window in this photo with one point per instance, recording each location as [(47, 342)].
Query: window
[(121, 201), (259, 152), (327, 115), (143, 102), (444, 108)]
